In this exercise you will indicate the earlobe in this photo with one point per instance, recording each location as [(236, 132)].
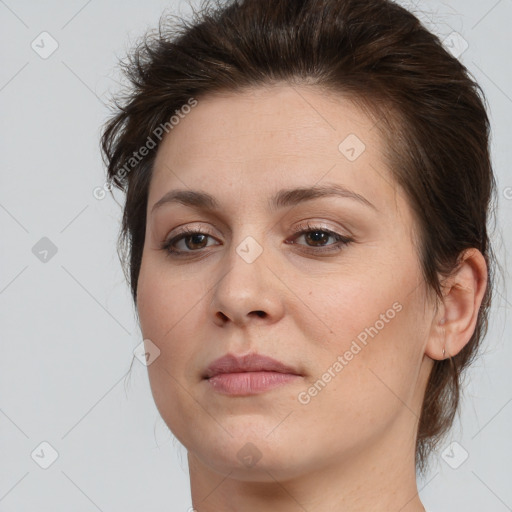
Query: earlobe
[(463, 292), (436, 347)]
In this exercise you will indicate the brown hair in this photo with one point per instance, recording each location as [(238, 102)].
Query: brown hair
[(431, 115)]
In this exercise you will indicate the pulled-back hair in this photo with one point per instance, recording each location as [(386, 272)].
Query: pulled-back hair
[(430, 113)]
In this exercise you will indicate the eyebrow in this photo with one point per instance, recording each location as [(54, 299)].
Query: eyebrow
[(282, 199)]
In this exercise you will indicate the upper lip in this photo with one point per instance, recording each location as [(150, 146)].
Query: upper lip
[(230, 363)]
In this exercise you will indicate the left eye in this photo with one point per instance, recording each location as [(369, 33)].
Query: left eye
[(317, 237)]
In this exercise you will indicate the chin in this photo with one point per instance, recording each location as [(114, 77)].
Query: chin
[(250, 455), (250, 462)]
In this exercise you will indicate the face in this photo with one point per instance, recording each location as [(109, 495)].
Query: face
[(327, 283)]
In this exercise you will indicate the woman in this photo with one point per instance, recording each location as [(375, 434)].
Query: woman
[(308, 187)]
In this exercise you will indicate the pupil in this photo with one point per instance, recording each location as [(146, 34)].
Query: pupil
[(318, 236), (196, 239)]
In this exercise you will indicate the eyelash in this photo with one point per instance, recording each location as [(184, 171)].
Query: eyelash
[(302, 229)]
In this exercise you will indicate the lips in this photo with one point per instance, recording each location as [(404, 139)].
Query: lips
[(248, 363)]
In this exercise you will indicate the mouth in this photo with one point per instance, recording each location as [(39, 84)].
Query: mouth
[(249, 374)]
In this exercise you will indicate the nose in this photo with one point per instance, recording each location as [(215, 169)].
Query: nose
[(247, 290)]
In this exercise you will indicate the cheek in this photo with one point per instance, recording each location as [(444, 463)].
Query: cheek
[(355, 398), (371, 358), (164, 321), (167, 307), (165, 300)]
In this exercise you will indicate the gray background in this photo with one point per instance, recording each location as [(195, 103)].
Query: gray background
[(68, 324)]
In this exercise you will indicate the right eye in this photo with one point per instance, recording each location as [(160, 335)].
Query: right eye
[(191, 240)]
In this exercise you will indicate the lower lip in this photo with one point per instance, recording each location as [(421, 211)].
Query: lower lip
[(249, 383)]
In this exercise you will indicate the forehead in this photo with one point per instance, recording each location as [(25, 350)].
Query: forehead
[(266, 138)]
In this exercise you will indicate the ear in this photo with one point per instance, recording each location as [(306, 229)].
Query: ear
[(455, 321)]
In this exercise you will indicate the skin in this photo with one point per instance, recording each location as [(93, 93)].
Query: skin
[(351, 447)]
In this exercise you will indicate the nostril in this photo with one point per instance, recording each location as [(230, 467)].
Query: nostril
[(222, 316)]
